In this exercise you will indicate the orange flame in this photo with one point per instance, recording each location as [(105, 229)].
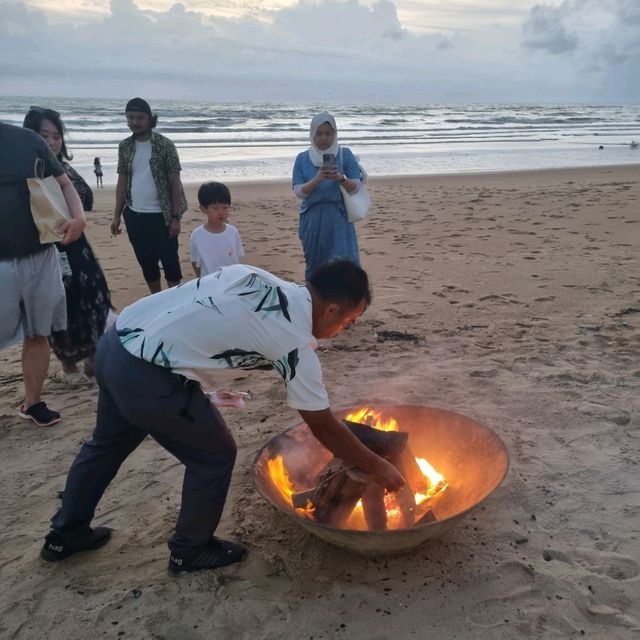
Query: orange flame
[(280, 479), (372, 419), (437, 483)]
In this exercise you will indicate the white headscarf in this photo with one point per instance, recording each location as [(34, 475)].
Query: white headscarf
[(318, 120)]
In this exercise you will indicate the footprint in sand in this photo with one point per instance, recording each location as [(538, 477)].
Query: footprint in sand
[(505, 298), (605, 412), (483, 373), (516, 580)]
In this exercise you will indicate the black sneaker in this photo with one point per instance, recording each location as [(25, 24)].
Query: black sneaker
[(56, 548), (40, 414), (218, 553)]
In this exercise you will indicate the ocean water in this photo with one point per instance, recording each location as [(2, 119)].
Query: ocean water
[(253, 141)]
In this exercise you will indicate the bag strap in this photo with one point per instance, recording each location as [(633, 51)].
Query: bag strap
[(38, 168), (364, 175), (339, 161)]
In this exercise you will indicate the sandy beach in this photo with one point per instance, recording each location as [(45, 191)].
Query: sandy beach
[(524, 292)]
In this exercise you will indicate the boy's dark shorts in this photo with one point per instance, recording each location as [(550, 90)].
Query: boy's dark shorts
[(149, 237)]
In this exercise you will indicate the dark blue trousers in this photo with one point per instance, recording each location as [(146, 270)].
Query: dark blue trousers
[(137, 399)]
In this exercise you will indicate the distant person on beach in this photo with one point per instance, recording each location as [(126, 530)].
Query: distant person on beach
[(153, 366), (87, 294), (216, 243), (324, 230), (97, 169), (150, 196), (33, 299)]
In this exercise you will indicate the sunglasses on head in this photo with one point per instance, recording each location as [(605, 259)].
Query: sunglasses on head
[(44, 111)]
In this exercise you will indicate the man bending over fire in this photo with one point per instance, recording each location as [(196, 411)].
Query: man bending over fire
[(153, 366)]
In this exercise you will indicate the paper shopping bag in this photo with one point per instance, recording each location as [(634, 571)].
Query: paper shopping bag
[(48, 207)]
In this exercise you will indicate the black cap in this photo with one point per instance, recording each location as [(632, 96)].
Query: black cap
[(138, 104)]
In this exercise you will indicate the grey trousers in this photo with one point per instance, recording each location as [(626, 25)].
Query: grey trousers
[(136, 399)]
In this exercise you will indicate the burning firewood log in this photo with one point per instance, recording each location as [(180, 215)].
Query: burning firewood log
[(339, 489), (336, 495), (406, 463), (302, 499), (375, 511), (388, 444), (407, 504)]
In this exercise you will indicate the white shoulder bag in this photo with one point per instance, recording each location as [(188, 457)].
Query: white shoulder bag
[(357, 204)]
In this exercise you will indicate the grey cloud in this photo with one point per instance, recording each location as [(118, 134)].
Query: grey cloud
[(543, 29), (177, 40), (607, 29), (444, 43), (346, 25), (345, 50), (601, 37), (17, 19), (628, 11)]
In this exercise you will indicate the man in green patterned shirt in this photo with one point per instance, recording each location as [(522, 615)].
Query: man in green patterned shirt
[(150, 196)]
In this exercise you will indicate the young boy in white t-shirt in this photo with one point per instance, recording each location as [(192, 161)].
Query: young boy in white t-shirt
[(215, 243)]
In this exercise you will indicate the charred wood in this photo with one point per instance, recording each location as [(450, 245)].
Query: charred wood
[(388, 444), (428, 517), (301, 499), (336, 495)]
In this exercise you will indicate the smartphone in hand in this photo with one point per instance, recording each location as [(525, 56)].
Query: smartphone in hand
[(329, 160)]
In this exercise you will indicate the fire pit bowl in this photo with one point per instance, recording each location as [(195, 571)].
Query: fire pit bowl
[(471, 457)]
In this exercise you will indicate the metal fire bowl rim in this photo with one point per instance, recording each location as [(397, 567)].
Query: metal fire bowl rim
[(440, 523)]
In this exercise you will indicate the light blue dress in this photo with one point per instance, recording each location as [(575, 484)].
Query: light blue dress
[(324, 230)]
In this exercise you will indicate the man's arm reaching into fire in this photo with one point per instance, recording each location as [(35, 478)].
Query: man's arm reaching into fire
[(333, 434)]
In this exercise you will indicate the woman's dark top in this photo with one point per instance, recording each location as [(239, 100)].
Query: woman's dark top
[(88, 297)]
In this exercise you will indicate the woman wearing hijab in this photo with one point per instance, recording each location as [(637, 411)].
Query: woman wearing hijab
[(318, 173), (87, 293)]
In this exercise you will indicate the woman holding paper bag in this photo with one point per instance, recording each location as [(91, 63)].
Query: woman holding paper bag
[(318, 174), (88, 298)]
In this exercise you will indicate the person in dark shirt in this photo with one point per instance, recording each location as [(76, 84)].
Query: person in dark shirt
[(30, 278)]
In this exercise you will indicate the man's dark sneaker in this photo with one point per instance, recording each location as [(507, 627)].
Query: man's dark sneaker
[(56, 548), (218, 553), (40, 414)]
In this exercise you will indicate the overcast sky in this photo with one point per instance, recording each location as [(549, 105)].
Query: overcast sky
[(433, 51)]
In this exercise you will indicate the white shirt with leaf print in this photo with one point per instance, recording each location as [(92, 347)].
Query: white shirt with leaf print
[(239, 317)]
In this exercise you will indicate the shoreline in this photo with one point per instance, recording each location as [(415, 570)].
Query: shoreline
[(523, 174)]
